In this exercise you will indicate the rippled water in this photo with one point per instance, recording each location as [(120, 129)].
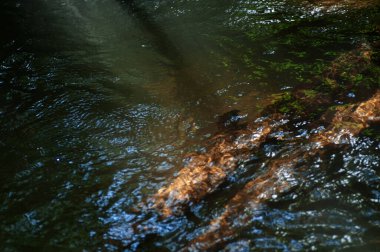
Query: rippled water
[(100, 101)]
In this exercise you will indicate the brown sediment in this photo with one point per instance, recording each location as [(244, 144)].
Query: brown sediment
[(348, 122), (205, 172)]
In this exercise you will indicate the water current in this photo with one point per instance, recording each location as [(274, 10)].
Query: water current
[(101, 100)]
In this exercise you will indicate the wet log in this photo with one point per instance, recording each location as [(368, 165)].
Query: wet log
[(205, 172), (280, 177)]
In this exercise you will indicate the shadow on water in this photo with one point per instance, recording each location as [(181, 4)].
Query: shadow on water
[(161, 40), (189, 89)]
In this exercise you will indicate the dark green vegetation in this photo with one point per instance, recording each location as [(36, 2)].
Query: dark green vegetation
[(100, 100)]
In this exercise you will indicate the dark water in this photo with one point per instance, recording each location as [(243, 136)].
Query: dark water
[(100, 100)]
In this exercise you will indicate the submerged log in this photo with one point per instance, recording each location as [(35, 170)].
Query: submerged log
[(205, 172), (347, 123)]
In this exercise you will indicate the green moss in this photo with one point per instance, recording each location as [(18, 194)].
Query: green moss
[(287, 103), (330, 83), (368, 132), (281, 97), (333, 54), (358, 78), (287, 96), (299, 54), (297, 106), (309, 93), (225, 63), (372, 132), (284, 110), (291, 107)]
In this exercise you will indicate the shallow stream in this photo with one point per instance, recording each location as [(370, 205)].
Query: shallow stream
[(101, 100)]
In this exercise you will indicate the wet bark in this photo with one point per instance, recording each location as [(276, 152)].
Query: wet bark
[(281, 176), (205, 172)]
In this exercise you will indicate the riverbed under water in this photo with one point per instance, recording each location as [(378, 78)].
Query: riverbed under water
[(100, 101)]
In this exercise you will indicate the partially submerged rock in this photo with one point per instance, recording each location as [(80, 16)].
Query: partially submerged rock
[(347, 123)]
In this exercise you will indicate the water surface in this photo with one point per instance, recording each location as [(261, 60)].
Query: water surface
[(100, 101)]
